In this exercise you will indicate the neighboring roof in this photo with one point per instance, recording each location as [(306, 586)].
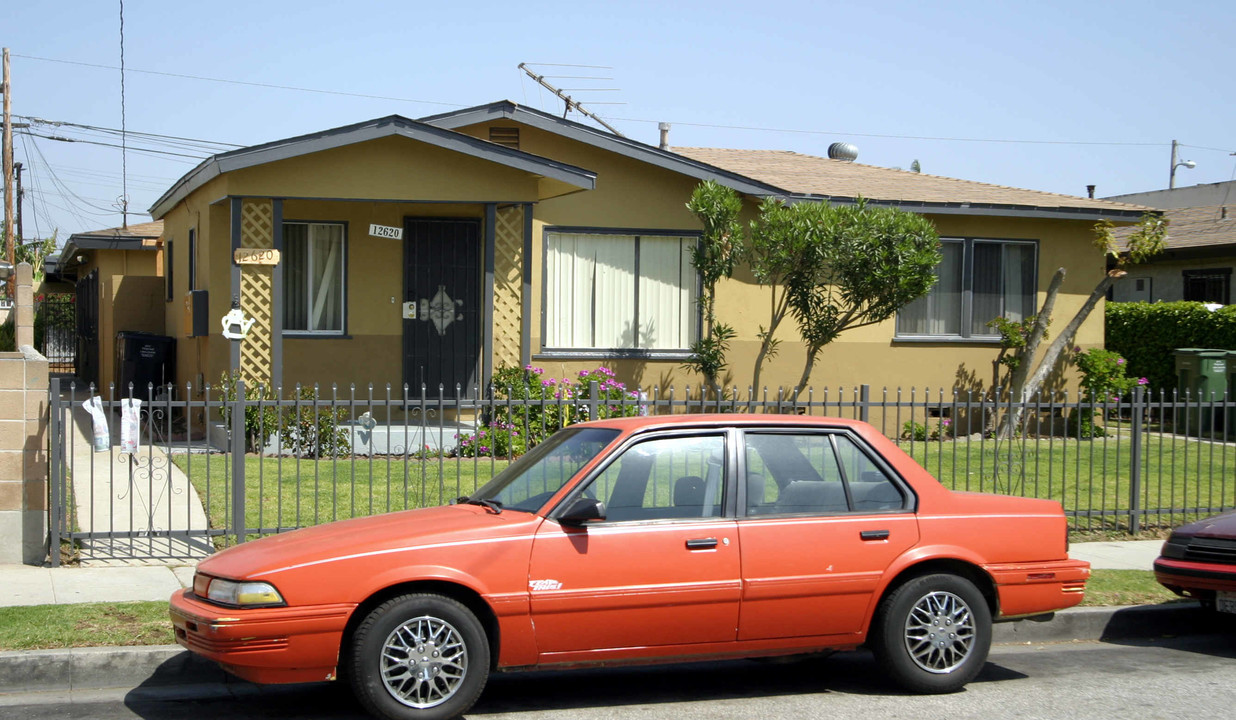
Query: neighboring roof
[(809, 176), (505, 109), (1191, 196), (133, 237), (1195, 228), (392, 125)]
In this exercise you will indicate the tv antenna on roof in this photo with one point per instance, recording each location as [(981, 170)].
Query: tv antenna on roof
[(569, 103)]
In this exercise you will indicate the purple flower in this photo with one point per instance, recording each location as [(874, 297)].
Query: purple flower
[(946, 423), (1143, 381), (1119, 361)]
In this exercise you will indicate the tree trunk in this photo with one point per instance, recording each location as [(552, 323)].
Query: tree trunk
[(806, 377), (1025, 385), (778, 314)]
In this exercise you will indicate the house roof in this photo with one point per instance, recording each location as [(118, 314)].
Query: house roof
[(809, 176), (505, 109), (391, 125), (1194, 228), (133, 237)]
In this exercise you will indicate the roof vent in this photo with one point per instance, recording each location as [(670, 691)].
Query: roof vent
[(505, 136), (843, 151)]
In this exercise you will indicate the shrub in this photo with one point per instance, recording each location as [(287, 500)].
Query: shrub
[(1104, 373), (514, 427), (307, 431), (1147, 333)]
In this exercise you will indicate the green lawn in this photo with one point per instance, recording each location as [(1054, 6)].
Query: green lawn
[(1181, 476), (289, 493)]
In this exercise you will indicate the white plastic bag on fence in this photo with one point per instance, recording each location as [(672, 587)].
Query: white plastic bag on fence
[(102, 436), (130, 425)]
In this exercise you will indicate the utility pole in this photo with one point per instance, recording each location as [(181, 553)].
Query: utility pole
[(1177, 162), (7, 88)]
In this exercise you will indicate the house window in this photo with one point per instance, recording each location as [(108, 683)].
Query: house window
[(978, 280), (192, 259), (168, 267), (313, 277), (618, 291), (1208, 286)]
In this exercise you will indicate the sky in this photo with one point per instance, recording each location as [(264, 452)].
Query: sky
[(1045, 95)]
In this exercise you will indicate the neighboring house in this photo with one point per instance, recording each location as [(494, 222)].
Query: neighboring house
[(530, 239), (1201, 248), (118, 276)]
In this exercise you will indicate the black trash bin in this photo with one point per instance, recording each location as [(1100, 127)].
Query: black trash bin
[(143, 358)]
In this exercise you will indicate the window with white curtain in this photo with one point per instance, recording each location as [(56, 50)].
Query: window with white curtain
[(607, 290), (313, 277), (978, 280)]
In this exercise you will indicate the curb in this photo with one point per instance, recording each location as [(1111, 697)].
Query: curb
[(165, 666)]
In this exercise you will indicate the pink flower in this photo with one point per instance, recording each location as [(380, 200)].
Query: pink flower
[(1143, 381)]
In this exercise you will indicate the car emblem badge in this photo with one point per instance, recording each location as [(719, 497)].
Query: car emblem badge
[(544, 585)]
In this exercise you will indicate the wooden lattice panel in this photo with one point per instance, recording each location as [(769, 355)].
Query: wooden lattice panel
[(508, 285), (257, 230)]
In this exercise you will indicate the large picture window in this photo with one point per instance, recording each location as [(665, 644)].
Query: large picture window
[(978, 281), (313, 277), (610, 291)]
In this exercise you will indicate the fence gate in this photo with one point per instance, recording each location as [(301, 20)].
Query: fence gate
[(57, 340), (115, 502)]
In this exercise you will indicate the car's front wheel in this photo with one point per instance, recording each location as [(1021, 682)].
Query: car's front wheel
[(932, 634), (419, 657)]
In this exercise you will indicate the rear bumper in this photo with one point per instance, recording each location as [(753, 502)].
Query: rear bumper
[(263, 645), (1181, 575), (1037, 588)]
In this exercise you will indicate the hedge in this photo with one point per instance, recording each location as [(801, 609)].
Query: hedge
[(1147, 333)]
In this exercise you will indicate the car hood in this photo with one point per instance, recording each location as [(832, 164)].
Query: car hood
[(1219, 526), (365, 536)]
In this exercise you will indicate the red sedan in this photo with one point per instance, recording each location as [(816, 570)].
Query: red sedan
[(642, 540), (1199, 561)]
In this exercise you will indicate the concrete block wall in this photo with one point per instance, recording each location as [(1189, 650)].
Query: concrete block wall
[(23, 438)]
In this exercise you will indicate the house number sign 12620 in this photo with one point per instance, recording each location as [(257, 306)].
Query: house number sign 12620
[(386, 231), (256, 256)]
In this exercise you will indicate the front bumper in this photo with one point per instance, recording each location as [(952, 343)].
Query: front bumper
[(1027, 589), (263, 645), (1182, 575)]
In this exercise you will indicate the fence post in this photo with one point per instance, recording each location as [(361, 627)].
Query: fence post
[(1135, 463), (864, 396), (238, 462), (57, 476), (594, 407)]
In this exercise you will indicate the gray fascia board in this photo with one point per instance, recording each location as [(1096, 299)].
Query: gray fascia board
[(383, 127), (613, 143), (103, 243), (986, 209)]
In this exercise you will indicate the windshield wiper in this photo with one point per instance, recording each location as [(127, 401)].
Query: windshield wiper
[(493, 505)]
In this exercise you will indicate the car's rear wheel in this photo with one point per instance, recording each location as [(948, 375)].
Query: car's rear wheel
[(419, 657), (932, 634)]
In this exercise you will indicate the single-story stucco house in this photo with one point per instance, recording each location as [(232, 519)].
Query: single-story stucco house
[(437, 250)]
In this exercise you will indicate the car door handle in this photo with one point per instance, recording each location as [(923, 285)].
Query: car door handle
[(874, 534), (701, 544)]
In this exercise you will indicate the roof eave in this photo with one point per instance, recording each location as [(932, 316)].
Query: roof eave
[(986, 209)]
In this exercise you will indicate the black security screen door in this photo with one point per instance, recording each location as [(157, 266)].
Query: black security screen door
[(442, 277)]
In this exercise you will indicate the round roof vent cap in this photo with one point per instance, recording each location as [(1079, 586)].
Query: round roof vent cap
[(843, 151)]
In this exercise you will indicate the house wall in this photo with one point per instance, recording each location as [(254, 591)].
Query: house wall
[(1166, 278), (130, 298), (628, 195)]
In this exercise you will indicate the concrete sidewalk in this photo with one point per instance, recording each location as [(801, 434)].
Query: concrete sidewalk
[(27, 585)]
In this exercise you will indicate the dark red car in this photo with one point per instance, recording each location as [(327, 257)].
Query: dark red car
[(1199, 561)]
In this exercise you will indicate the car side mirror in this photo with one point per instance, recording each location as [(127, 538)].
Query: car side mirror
[(582, 510)]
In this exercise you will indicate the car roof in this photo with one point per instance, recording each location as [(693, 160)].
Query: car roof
[(631, 424)]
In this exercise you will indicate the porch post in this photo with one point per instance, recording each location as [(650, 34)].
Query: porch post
[(525, 315), (487, 351), (276, 326), (234, 295)]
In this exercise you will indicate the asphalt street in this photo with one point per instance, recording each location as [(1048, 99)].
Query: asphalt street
[(1179, 677)]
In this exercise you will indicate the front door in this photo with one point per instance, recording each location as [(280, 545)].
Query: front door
[(442, 280), (87, 341)]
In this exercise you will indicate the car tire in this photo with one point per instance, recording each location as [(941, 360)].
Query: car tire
[(418, 657), (932, 634)]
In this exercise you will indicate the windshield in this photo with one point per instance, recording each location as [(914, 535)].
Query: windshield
[(532, 480)]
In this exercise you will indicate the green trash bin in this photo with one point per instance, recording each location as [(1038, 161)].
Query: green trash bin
[(1205, 374)]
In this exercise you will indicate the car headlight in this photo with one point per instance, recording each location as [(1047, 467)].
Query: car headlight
[(242, 593), (1175, 547)]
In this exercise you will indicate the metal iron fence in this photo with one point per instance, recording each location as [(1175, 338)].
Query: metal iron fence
[(194, 471), (55, 331)]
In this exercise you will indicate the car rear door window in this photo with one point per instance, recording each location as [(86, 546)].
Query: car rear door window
[(813, 473)]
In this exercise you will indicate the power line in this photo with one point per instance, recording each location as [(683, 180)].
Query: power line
[(243, 82), (60, 138), (66, 123)]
